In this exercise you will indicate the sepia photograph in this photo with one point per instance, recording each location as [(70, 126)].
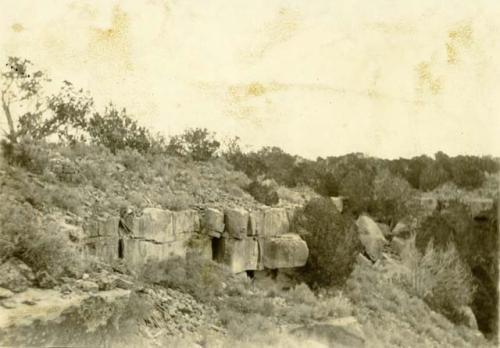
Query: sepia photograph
[(249, 174)]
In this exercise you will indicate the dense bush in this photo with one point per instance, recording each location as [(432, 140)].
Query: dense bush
[(263, 193), (333, 246), (116, 130), (197, 144)]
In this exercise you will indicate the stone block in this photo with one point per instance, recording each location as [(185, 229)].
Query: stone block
[(285, 251), (186, 221), (236, 221), (275, 222), (256, 223), (154, 224), (241, 254), (213, 220), (138, 252), (105, 248)]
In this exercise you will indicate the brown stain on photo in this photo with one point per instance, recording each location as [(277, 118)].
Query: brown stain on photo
[(459, 38), (17, 27), (113, 44), (281, 29), (426, 80)]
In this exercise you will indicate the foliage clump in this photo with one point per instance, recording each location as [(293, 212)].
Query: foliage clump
[(333, 245)]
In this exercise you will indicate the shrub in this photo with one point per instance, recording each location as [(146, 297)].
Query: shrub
[(263, 193), (34, 156), (116, 130), (438, 276), (197, 144), (332, 245), (23, 234)]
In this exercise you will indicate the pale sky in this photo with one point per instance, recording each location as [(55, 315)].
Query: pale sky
[(388, 78)]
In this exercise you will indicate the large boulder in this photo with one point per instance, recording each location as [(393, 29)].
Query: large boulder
[(341, 332), (236, 221), (275, 222), (370, 236), (15, 275), (241, 254), (213, 220), (285, 251)]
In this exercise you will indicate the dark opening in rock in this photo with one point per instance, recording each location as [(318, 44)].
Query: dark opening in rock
[(218, 247), (121, 248)]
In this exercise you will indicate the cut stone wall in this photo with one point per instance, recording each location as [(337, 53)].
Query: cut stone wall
[(243, 240)]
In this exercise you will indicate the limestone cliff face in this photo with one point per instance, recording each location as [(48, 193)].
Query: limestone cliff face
[(243, 240)]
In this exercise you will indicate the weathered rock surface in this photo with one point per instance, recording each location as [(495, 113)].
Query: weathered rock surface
[(242, 254), (342, 332), (213, 220), (15, 275), (155, 225), (256, 223), (275, 222), (285, 251), (138, 252), (236, 221), (370, 236)]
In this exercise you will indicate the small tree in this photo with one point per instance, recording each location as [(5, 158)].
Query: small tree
[(333, 246), (116, 130), (196, 143), (36, 115), (19, 85)]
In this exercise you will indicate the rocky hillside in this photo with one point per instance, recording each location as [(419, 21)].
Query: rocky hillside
[(57, 291)]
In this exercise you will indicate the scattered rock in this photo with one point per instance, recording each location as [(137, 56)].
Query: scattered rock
[(123, 284), (45, 280), (9, 304), (30, 302), (66, 289), (15, 275), (87, 285), (5, 293)]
